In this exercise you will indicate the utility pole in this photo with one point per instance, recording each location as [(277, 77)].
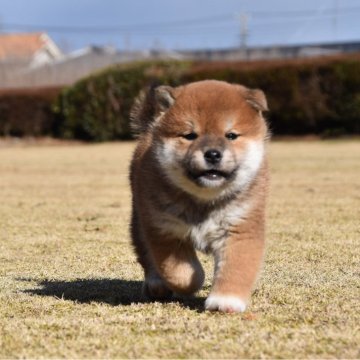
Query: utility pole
[(127, 42), (243, 19), (335, 20)]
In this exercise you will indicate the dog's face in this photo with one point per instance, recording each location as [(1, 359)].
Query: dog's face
[(209, 137)]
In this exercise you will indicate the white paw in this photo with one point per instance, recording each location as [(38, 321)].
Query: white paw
[(225, 303)]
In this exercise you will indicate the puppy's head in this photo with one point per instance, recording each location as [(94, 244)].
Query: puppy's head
[(208, 136)]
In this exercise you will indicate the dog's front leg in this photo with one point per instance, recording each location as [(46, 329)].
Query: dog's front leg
[(236, 267), (177, 264)]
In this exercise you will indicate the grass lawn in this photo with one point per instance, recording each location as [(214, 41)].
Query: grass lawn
[(70, 285)]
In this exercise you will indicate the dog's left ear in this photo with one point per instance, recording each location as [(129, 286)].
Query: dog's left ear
[(164, 97), (255, 98)]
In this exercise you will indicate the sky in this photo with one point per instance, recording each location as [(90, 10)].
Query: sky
[(183, 24)]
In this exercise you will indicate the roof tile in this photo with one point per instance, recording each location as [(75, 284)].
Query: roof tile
[(20, 46)]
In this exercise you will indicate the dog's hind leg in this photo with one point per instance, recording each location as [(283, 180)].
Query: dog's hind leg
[(154, 287)]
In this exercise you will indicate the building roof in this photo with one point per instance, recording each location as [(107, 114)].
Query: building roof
[(24, 46)]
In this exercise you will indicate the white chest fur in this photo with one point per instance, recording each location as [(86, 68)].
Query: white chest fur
[(206, 235)]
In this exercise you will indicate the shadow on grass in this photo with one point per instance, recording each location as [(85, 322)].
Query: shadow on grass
[(110, 291)]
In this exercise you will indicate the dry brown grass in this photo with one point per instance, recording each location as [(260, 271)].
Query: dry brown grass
[(70, 285)]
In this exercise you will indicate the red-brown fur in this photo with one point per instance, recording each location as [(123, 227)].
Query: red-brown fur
[(181, 202)]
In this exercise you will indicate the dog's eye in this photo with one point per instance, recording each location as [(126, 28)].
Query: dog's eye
[(190, 136), (232, 136)]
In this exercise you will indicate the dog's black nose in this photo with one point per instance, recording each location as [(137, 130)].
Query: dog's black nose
[(213, 156)]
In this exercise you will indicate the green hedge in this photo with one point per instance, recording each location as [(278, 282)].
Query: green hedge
[(97, 108), (27, 112), (309, 97), (320, 97)]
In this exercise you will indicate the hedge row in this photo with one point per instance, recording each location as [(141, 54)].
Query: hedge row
[(27, 112), (309, 97), (304, 98), (317, 96), (97, 108)]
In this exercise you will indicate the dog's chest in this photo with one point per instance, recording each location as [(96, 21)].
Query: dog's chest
[(209, 234), (206, 231)]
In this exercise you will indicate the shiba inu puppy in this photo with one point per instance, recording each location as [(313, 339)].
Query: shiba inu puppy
[(199, 181)]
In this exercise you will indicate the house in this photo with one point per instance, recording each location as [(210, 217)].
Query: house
[(28, 60), (27, 50), (80, 63)]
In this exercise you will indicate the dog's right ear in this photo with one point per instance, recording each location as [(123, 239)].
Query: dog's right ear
[(164, 97), (148, 106)]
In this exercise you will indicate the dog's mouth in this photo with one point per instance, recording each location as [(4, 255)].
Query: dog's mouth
[(213, 174), (210, 175)]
